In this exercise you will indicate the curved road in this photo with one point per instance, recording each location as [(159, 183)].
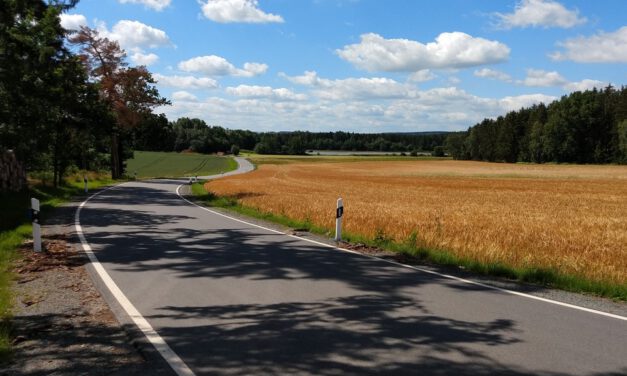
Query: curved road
[(231, 298)]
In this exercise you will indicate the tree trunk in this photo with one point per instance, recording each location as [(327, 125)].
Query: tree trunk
[(115, 155)]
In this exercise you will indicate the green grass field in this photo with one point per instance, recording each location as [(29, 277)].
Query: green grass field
[(150, 164)]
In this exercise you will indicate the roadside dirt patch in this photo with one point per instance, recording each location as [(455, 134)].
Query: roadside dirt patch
[(61, 324)]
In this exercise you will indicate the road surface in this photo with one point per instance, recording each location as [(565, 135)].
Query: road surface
[(229, 298)]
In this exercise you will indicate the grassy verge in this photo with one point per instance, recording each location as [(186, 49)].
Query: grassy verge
[(15, 228), (413, 252)]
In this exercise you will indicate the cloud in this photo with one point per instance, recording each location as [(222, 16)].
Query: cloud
[(422, 75), (281, 94), (449, 50), (228, 11), (184, 96), (493, 74), (584, 85), (186, 82), (308, 78), (73, 21), (541, 78), (540, 13), (135, 35), (353, 88), (446, 108), (144, 59), (600, 48), (517, 102), (157, 5), (218, 66)]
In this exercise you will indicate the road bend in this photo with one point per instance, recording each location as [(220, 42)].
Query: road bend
[(230, 298)]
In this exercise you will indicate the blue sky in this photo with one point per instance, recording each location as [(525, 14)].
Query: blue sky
[(363, 65)]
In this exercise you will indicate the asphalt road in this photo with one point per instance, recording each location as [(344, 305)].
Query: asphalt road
[(230, 298)]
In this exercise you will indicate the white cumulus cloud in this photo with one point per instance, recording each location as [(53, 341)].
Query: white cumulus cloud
[(353, 88), (540, 13), (514, 103), (157, 5), (251, 91), (135, 35), (422, 75), (213, 65), (73, 21), (542, 78), (186, 82), (600, 48), (449, 50), (493, 74), (184, 96), (584, 85), (227, 11), (140, 58)]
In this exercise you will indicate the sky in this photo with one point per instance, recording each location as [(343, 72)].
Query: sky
[(364, 66)]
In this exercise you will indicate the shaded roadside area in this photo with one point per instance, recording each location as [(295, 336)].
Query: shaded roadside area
[(61, 323)]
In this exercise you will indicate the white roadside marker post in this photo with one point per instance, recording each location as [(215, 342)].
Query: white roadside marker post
[(85, 180), (34, 204), (338, 219)]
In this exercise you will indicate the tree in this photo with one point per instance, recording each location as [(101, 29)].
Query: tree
[(45, 98), (622, 141), (129, 92)]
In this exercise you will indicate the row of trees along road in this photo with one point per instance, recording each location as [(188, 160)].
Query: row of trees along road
[(66, 98), (583, 127)]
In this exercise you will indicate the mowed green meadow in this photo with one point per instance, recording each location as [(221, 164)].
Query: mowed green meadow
[(150, 164)]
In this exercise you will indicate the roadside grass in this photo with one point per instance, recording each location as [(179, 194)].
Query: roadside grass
[(149, 164), (15, 228), (412, 252), (259, 159)]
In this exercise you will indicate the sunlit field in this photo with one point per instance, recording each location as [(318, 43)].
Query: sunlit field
[(148, 164), (568, 218)]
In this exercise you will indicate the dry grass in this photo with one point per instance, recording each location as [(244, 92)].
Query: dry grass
[(572, 219)]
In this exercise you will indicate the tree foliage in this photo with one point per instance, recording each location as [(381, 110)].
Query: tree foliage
[(583, 127), (128, 91), (156, 134), (56, 108), (47, 105)]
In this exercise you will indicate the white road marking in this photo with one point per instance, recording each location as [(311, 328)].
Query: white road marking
[(522, 294), (151, 334)]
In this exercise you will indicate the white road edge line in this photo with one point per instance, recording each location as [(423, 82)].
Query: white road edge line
[(175, 362), (522, 294)]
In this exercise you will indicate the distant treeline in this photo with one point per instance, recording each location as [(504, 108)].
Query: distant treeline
[(156, 133), (583, 127)]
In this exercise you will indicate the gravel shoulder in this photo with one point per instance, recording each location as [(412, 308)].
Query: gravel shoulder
[(62, 324)]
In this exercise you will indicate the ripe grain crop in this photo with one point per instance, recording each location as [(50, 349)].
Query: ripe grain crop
[(570, 219)]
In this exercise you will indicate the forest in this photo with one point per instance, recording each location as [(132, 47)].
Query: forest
[(582, 127), (156, 133)]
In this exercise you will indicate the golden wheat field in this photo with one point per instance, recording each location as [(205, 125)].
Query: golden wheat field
[(570, 218)]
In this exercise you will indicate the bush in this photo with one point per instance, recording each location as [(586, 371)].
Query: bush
[(438, 151), (235, 150)]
